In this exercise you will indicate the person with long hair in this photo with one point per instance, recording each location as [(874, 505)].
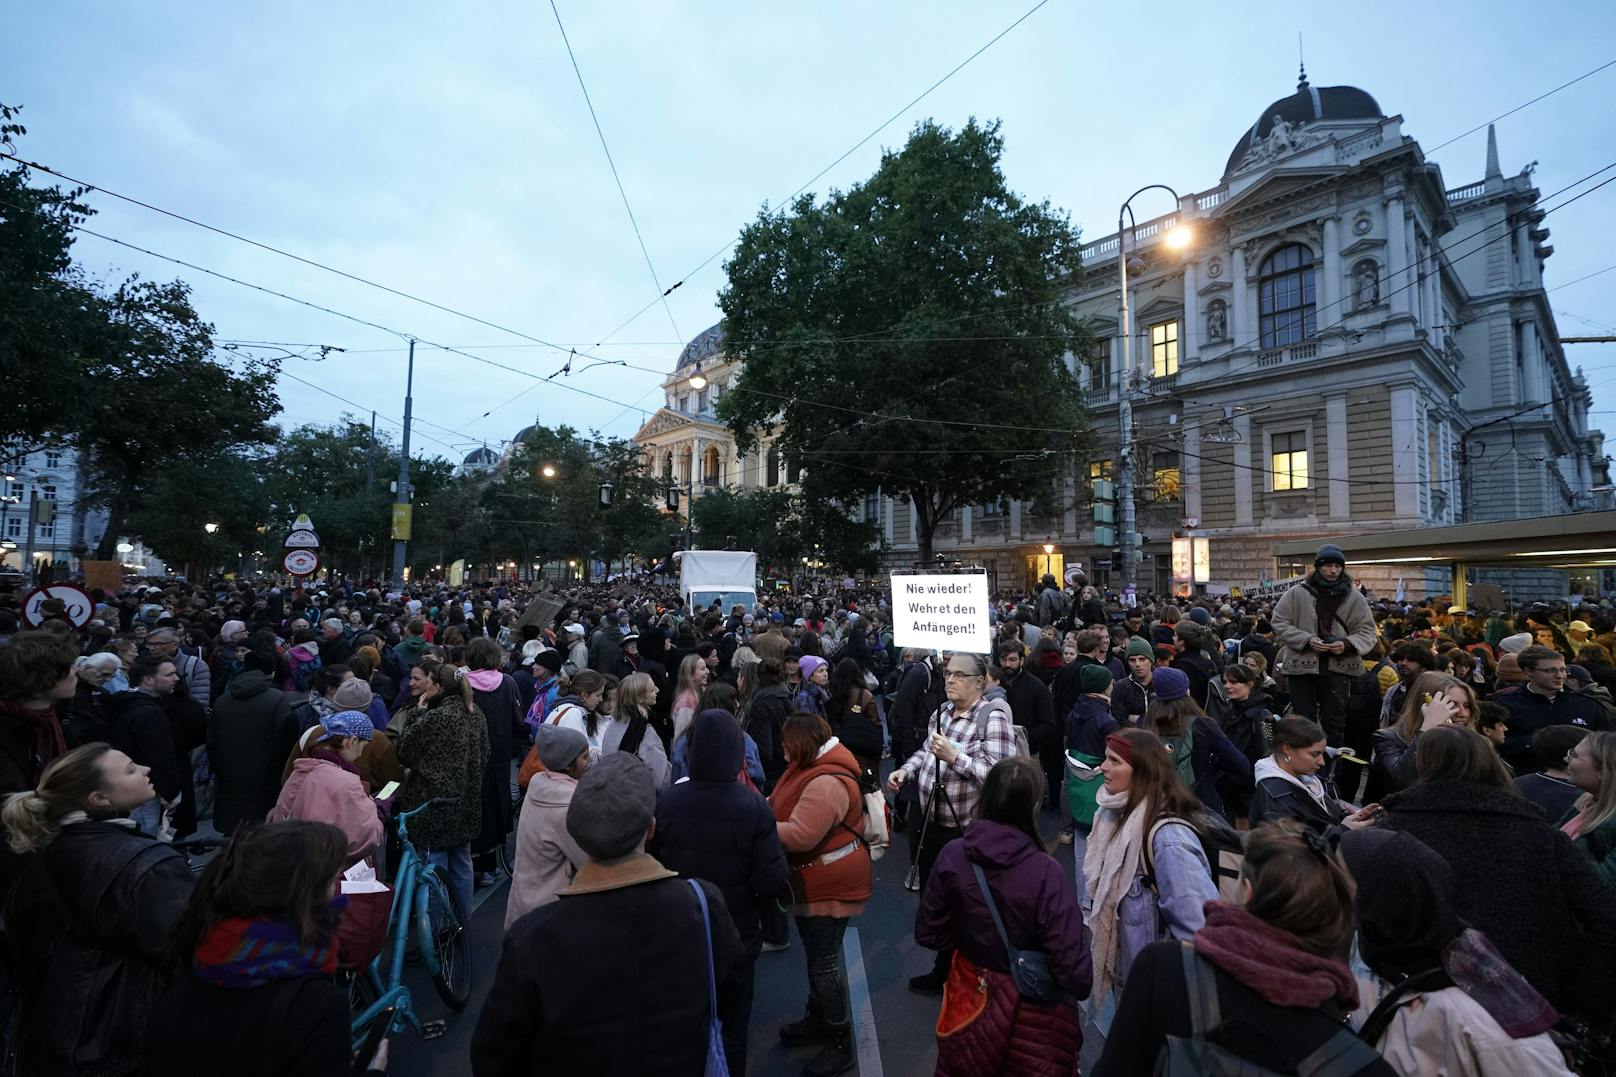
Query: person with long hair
[(1002, 860), (1144, 811), (1434, 700), (1277, 963), (630, 728), (1438, 998), (87, 925), (580, 708), (1592, 824), (850, 713), (818, 810), (1520, 880), (1201, 752), (258, 945), (445, 746), (1289, 786), (692, 678)]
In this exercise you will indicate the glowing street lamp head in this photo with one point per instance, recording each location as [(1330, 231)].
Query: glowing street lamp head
[(210, 528), (548, 471), (1179, 236)]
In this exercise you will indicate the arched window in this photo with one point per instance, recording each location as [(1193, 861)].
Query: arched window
[(773, 467), (667, 465), (711, 469), (1285, 303), (793, 469)]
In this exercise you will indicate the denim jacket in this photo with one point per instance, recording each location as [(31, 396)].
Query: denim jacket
[(1175, 907)]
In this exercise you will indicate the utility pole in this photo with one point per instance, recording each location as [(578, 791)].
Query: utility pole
[(28, 572), (1130, 539), (402, 497), (370, 485)]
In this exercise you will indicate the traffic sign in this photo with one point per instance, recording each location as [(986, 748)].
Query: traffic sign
[(1191, 522), (79, 606), (302, 535), (301, 562)]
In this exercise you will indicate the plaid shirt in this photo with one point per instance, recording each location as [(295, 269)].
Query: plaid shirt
[(963, 778)]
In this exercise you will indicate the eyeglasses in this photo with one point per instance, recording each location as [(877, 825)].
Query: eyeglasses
[(961, 673)]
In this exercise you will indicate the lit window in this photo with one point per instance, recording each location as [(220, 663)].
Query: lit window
[(1166, 477), (1164, 349), (1285, 296), (1100, 469), (1290, 461)]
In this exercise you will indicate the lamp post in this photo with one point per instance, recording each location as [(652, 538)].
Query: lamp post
[(1049, 553), (1177, 238)]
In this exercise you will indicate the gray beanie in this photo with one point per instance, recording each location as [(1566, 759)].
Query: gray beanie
[(1327, 553), (559, 747), (613, 805)]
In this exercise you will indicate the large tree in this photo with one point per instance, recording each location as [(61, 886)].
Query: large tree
[(907, 335), (784, 527)]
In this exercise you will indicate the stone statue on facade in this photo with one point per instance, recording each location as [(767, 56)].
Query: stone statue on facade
[(1365, 286), (1281, 136), (1217, 320)]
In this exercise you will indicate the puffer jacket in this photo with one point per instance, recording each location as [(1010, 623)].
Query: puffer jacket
[(445, 751), (322, 790), (88, 929), (1038, 906)]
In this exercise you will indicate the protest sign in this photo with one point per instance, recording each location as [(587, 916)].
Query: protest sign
[(941, 613)]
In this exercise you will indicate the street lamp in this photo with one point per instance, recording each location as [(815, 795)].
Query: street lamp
[(1049, 552), (210, 528), (125, 547), (605, 495), (698, 380), (548, 471), (1177, 238)]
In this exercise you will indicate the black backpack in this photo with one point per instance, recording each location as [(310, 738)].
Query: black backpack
[(1342, 1055)]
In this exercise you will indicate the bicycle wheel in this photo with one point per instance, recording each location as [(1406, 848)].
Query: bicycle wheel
[(439, 929)]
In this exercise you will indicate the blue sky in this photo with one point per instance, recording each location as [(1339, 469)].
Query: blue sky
[(445, 150)]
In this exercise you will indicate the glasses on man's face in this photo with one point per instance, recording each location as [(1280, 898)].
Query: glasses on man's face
[(961, 673)]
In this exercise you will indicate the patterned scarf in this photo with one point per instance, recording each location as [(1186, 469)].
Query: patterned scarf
[(241, 953), (1109, 865), (43, 724)]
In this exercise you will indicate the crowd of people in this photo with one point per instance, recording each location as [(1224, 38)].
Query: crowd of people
[(1303, 826)]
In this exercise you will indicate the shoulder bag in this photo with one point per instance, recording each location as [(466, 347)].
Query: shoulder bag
[(717, 1064), (1028, 968)]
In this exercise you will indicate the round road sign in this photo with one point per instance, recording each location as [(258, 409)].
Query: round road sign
[(301, 562), (80, 606)]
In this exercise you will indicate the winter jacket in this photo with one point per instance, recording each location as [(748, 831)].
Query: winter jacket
[(1296, 620), (321, 791), (1550, 914), (605, 649), (409, 652), (819, 812), (1088, 724), (1175, 908), (140, 729), (1248, 723), (611, 979), (1201, 672), (249, 735), (88, 719), (713, 828), (546, 855), (1130, 700), (1156, 1005), (766, 716), (297, 660), (88, 929), (296, 1027), (1529, 712), (1065, 687), (1284, 796), (195, 679), (1395, 759), (650, 750), (1600, 846), (445, 750), (1214, 756), (496, 698), (1033, 708), (907, 717), (679, 768)]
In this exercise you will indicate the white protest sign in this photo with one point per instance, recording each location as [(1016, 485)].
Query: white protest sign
[(941, 613)]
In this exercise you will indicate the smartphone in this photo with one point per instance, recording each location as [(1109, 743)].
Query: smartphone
[(387, 790)]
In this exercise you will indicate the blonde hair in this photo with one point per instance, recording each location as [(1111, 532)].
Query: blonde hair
[(33, 819), (1600, 807), (634, 696), (1430, 683)]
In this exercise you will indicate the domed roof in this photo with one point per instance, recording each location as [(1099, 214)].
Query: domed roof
[(704, 347), (523, 434), (1308, 104), (481, 457)]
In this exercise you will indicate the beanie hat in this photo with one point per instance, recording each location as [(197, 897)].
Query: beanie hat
[(549, 659), (1200, 616), (809, 664), (354, 695), (1515, 644), (1327, 553), (1170, 684), (1139, 647), (1093, 678), (1579, 674), (559, 746), (1509, 669)]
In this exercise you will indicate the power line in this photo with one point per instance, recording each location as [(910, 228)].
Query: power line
[(850, 151), (1517, 108), (576, 70)]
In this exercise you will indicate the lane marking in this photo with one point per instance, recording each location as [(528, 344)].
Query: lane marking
[(488, 892), (858, 992)]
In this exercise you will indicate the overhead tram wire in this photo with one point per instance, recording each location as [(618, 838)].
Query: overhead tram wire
[(623, 194), (956, 69), (1527, 104)]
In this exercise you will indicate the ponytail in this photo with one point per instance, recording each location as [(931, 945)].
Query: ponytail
[(33, 819)]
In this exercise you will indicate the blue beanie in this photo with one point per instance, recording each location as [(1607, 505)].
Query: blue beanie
[(1327, 553), (1169, 684)]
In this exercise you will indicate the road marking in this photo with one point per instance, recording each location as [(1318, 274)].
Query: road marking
[(858, 992), (489, 891)]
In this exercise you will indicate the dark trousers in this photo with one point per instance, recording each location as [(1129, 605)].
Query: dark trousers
[(1323, 698), (735, 1031), (776, 926), (827, 975), (929, 845)]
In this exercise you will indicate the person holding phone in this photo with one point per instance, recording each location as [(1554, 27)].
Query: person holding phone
[(1434, 700), (1289, 786), (325, 785)]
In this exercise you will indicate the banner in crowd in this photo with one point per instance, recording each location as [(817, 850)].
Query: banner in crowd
[(941, 613)]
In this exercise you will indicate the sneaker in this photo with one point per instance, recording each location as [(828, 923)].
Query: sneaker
[(838, 1055), (1066, 837), (776, 947), (808, 1030), (930, 983)]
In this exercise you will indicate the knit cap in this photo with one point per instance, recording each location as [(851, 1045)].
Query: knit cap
[(1327, 553), (354, 695), (1139, 647), (1093, 678), (1169, 684)]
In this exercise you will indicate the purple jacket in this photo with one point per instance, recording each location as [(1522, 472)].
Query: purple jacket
[(1035, 898)]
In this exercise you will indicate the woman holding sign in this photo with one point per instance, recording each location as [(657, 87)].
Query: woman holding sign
[(967, 737)]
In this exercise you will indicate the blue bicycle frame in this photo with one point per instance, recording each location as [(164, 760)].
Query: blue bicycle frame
[(415, 875)]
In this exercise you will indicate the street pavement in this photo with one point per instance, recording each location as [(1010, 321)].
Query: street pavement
[(894, 1028)]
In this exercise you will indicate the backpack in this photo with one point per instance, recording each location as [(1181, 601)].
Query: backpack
[(1022, 744), (1342, 1055), (1363, 702), (303, 670), (1181, 747), (1223, 846)]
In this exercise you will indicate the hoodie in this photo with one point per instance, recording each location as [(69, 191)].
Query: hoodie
[(250, 733)]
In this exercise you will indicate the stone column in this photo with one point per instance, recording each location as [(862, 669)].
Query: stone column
[(1398, 297), (965, 526), (1189, 341), (1242, 326), (1532, 365), (1192, 468), (1338, 453), (1243, 473), (1015, 520), (1330, 307), (1406, 450), (888, 507)]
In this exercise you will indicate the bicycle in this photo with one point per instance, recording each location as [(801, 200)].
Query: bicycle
[(423, 912)]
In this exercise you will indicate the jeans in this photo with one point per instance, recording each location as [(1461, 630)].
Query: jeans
[(455, 865), (1080, 848), (827, 975), (1323, 698), (148, 816)]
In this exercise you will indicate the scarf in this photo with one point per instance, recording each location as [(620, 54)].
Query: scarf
[(323, 707), (241, 953), (1327, 598), (1273, 962), (48, 742), (1109, 866), (321, 752)]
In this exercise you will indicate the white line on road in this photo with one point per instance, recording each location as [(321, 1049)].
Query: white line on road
[(858, 990), (490, 891)]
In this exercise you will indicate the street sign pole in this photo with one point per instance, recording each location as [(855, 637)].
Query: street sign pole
[(28, 572), (402, 497)]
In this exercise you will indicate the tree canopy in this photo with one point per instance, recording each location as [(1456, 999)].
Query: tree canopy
[(907, 335)]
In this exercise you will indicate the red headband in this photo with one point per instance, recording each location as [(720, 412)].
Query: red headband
[(1122, 746)]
